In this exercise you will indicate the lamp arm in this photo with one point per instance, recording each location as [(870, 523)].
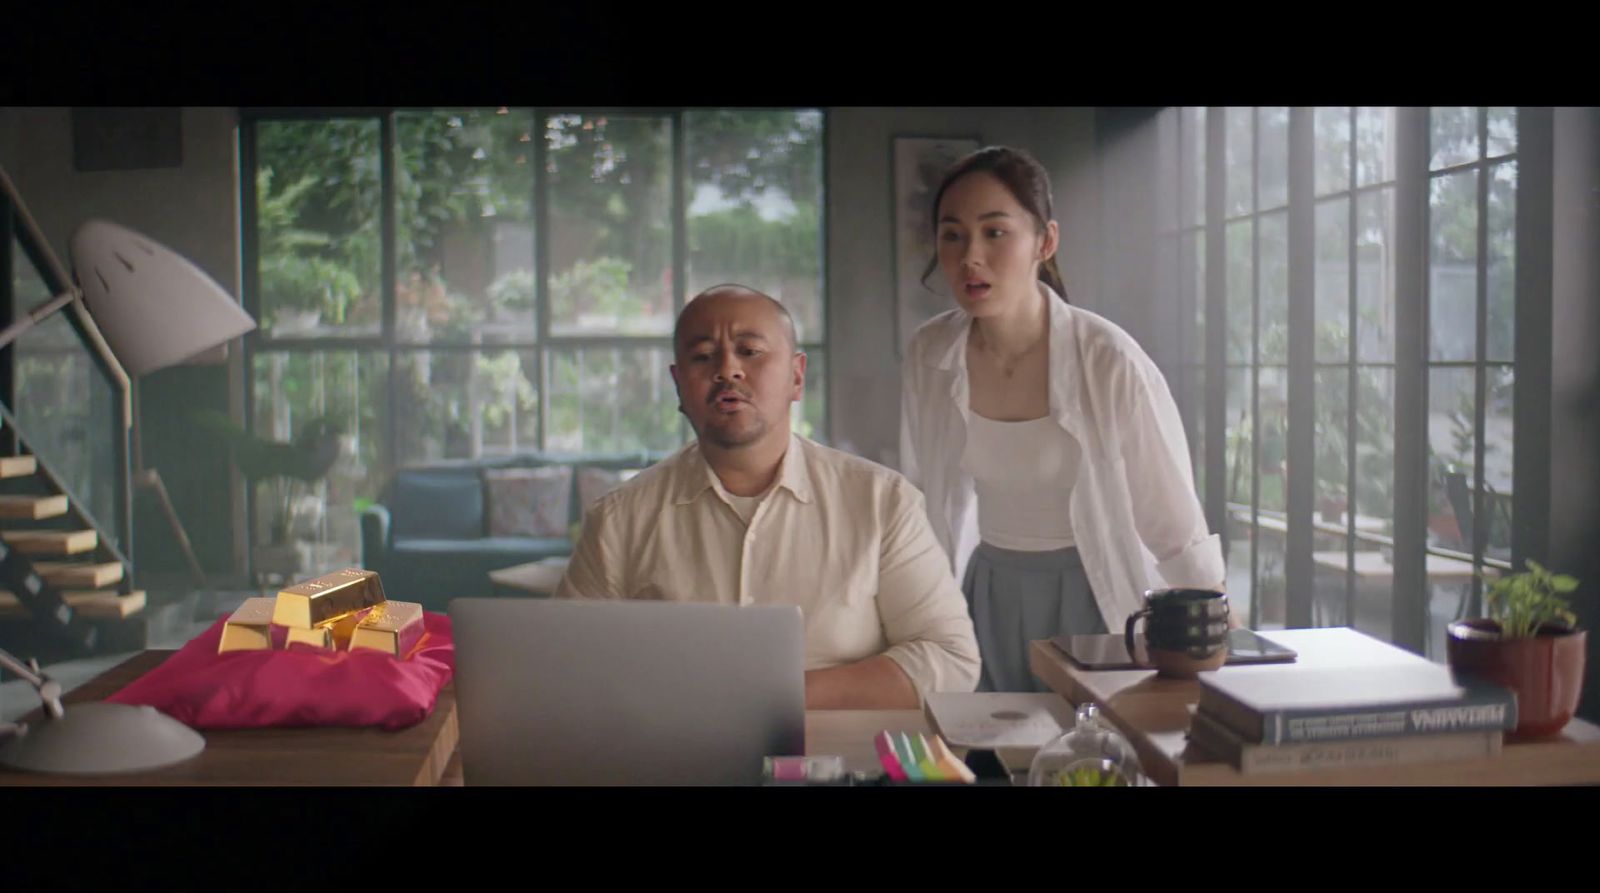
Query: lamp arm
[(35, 316), (19, 208), (49, 689)]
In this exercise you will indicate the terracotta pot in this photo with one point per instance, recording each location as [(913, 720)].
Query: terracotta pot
[(1546, 670), (1331, 509)]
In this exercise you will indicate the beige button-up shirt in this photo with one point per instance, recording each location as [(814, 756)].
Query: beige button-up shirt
[(845, 539)]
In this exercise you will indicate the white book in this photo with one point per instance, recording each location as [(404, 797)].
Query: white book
[(992, 720)]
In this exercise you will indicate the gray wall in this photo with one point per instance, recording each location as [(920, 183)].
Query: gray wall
[(863, 368), (1575, 374), (194, 210), (1132, 290)]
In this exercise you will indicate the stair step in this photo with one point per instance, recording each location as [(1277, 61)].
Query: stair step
[(87, 575), (18, 466), (51, 542), (32, 507), (97, 604)]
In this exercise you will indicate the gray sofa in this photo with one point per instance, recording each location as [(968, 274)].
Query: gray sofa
[(428, 536)]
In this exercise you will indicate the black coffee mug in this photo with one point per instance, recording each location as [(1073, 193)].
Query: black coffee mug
[(1186, 630)]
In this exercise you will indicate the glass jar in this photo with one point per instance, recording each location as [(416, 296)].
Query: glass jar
[(1090, 754)]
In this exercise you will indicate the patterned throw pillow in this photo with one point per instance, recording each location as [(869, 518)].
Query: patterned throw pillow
[(529, 501)]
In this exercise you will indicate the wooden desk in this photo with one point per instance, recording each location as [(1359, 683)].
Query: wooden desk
[(308, 756), (848, 733), (425, 754), (1154, 714)]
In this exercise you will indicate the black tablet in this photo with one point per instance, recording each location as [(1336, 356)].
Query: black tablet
[(1107, 651)]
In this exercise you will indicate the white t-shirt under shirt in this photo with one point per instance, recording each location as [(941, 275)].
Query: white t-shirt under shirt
[(745, 506), (1023, 474)]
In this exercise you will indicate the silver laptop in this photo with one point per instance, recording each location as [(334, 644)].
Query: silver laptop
[(557, 692)]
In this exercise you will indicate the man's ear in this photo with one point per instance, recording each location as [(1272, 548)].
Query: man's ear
[(799, 371)]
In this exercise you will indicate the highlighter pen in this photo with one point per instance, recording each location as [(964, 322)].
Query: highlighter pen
[(954, 767), (886, 756), (902, 749), (919, 751)]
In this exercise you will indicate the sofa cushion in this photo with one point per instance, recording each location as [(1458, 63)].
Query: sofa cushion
[(437, 503), (528, 501)]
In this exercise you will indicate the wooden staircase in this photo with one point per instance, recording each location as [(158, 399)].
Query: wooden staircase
[(54, 562)]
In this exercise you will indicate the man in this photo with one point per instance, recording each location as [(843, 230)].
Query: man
[(752, 513)]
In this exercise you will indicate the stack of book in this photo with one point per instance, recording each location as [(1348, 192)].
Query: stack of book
[(1293, 719)]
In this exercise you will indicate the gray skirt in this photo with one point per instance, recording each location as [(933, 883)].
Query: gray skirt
[(1016, 597)]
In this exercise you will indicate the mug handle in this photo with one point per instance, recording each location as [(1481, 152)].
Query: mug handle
[(1127, 633)]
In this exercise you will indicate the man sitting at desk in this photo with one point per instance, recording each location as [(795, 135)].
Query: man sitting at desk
[(751, 513)]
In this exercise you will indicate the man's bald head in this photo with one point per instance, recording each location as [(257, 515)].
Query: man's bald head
[(737, 380), (735, 292)]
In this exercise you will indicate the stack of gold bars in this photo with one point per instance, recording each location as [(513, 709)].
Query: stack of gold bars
[(341, 611)]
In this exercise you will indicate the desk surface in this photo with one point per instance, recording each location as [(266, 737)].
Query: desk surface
[(304, 756), (1153, 713), (425, 754), (848, 733)]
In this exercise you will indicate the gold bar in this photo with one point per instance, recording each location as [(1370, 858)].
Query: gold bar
[(393, 627), (344, 627), (249, 628), (317, 636), (329, 597), (333, 635)]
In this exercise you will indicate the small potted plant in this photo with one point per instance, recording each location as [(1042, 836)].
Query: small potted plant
[(1530, 644)]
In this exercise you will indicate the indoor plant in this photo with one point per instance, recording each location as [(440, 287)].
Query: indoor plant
[(1530, 644), (288, 469)]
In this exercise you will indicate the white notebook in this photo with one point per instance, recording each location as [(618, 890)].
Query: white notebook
[(998, 719)]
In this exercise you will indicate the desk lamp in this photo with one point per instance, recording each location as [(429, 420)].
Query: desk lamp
[(153, 309)]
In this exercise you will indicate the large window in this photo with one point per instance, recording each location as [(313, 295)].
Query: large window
[(1346, 254), (1256, 251), (462, 283), (1472, 198), (1353, 314)]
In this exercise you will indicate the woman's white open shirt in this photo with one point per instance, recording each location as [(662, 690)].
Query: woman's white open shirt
[(1134, 512)]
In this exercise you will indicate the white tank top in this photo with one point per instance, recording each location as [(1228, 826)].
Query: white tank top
[(1023, 472)]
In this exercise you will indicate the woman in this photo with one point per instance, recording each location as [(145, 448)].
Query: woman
[(1053, 421)]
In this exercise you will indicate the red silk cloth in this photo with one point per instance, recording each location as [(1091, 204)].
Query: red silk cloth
[(300, 685)]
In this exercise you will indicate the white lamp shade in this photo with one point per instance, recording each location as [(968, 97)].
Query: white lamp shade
[(154, 307)]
